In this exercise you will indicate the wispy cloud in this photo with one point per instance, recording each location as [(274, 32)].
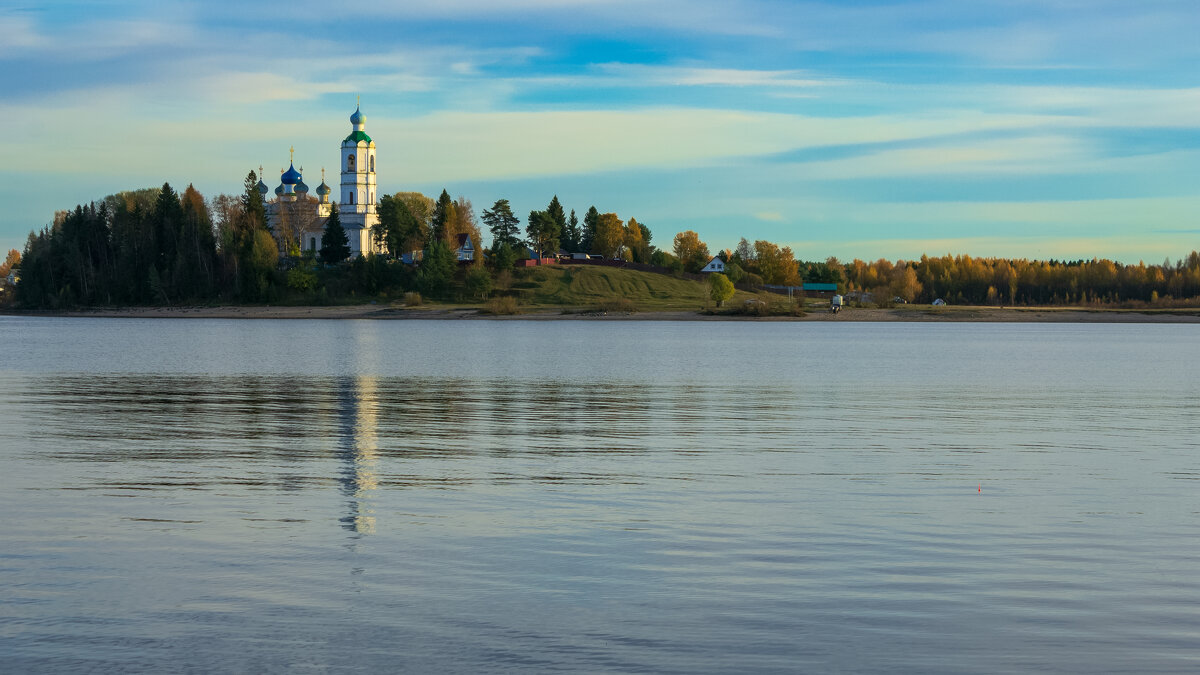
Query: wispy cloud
[(921, 115)]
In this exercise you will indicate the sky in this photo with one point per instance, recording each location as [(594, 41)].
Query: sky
[(859, 129)]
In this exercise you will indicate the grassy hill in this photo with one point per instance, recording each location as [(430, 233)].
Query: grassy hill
[(586, 288), (589, 287)]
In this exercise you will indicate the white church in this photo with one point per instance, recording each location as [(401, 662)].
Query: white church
[(297, 219)]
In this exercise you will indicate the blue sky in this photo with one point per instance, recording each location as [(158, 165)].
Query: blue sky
[(1023, 128)]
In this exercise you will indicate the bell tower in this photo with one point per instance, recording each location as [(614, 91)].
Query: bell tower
[(358, 168)]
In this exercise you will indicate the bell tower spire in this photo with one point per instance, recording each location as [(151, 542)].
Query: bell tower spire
[(357, 207)]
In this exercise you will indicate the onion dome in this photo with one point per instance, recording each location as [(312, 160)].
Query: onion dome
[(279, 191), (262, 187), (301, 188), (323, 190), (358, 117), (291, 176)]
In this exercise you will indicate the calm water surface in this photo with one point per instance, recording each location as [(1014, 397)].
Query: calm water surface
[(356, 496)]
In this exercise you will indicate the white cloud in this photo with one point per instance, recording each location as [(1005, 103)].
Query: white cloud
[(697, 76), (18, 34)]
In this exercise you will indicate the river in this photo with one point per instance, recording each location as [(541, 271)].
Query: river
[(186, 495)]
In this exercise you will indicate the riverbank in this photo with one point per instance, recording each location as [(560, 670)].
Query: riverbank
[(389, 312)]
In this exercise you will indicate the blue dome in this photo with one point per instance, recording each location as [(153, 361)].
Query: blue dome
[(279, 191), (291, 176), (323, 189), (358, 117), (262, 188), (301, 188)]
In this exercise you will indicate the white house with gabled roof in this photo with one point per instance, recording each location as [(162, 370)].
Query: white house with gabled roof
[(714, 265)]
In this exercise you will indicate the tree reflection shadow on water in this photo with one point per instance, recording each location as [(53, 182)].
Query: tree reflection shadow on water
[(362, 433)]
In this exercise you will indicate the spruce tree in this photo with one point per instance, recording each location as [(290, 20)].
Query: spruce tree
[(335, 246), (166, 218), (252, 202), (558, 221), (437, 268), (571, 234), (441, 212), (587, 238)]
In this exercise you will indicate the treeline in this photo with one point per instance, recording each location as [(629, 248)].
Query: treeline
[(959, 279), (152, 247), (962, 279), (157, 246)]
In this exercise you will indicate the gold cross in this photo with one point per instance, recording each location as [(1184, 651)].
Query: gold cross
[(358, 101), (292, 154)]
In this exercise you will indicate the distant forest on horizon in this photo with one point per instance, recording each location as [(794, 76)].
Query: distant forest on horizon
[(159, 247)]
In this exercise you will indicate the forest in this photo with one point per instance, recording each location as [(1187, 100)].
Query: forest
[(160, 247)]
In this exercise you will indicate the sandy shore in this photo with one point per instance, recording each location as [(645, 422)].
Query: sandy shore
[(978, 314)]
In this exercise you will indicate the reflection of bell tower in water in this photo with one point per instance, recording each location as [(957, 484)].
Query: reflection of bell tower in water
[(358, 411)]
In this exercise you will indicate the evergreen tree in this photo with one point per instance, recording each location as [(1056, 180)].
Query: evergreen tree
[(505, 227), (166, 221), (558, 221), (252, 203), (442, 212), (503, 257), (250, 258), (571, 234), (437, 268), (335, 246), (587, 238)]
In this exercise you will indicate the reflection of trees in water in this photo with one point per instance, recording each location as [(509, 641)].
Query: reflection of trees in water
[(291, 419), (275, 432)]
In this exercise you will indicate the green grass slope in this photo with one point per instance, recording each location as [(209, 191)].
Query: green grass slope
[(593, 286)]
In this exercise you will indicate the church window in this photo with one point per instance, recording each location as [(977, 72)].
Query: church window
[(350, 197), (372, 163), (350, 163), (312, 243)]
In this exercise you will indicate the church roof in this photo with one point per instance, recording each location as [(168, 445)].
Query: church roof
[(291, 176), (323, 189), (357, 137), (358, 117)]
